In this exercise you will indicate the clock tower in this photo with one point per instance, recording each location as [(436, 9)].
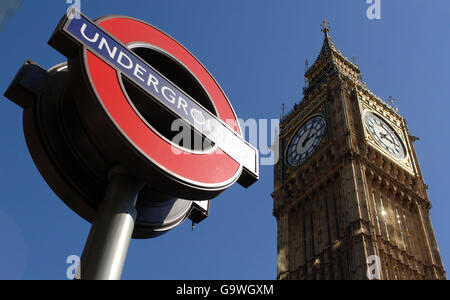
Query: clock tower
[(349, 197)]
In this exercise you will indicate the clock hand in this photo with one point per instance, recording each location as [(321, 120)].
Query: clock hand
[(307, 139), (309, 135), (384, 137)]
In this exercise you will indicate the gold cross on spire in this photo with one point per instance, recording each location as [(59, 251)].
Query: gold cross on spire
[(324, 26)]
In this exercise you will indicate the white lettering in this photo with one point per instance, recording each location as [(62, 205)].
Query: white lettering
[(119, 60), (196, 112), (171, 97), (196, 290), (269, 155), (152, 80), (374, 11), (73, 11), (74, 262), (182, 103), (182, 139), (112, 53), (92, 40), (374, 267), (139, 70)]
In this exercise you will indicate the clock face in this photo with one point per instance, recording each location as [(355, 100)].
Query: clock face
[(305, 141), (384, 135)]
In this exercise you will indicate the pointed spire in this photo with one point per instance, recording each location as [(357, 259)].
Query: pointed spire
[(328, 44), (329, 60)]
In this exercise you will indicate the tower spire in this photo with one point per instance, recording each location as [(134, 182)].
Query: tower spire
[(329, 60), (328, 44)]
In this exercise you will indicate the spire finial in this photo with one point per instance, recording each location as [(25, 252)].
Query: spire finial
[(392, 101), (324, 26), (283, 109)]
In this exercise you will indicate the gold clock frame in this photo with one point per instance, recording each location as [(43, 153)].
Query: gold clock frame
[(374, 105)]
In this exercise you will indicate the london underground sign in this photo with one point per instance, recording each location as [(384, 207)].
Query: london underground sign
[(106, 58), (99, 129)]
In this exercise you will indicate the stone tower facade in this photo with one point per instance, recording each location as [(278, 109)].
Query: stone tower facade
[(349, 197)]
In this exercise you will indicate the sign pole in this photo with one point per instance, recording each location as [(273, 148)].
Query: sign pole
[(107, 245)]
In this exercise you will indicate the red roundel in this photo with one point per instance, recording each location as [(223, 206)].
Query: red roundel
[(210, 169)]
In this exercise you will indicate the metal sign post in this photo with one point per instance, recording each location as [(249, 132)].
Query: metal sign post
[(107, 245)]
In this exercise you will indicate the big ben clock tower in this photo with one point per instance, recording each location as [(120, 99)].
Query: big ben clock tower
[(349, 197)]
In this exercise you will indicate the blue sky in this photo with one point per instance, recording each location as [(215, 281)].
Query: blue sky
[(256, 50)]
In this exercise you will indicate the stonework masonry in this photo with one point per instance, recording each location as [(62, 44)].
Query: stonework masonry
[(351, 198)]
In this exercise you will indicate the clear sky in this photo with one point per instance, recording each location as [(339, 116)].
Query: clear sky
[(256, 50)]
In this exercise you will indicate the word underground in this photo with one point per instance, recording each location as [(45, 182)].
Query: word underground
[(160, 88)]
